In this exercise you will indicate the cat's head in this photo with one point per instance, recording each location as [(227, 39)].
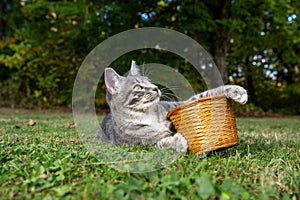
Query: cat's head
[(134, 91)]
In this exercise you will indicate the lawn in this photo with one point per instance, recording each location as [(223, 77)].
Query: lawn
[(49, 161)]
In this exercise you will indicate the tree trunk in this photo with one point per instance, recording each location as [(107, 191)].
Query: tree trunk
[(250, 86), (221, 40), (2, 23), (219, 56)]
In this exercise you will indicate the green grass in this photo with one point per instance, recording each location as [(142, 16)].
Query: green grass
[(49, 161)]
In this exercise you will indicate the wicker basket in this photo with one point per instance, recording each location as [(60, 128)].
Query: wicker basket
[(206, 123)]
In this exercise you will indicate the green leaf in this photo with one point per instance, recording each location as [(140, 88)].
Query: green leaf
[(206, 188), (134, 183), (41, 170), (225, 195), (170, 180), (233, 189)]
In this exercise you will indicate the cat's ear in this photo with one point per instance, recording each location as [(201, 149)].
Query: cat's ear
[(112, 80), (134, 70)]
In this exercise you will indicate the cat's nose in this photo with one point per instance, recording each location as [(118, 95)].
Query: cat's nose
[(155, 89)]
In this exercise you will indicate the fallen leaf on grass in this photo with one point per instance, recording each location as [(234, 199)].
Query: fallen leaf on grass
[(31, 122), (43, 176), (72, 125), (166, 172)]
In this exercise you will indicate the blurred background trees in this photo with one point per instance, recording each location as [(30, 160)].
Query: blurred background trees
[(254, 43)]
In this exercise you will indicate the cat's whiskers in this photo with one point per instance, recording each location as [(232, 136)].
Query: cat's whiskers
[(167, 98), (147, 71), (170, 96), (143, 69), (171, 87)]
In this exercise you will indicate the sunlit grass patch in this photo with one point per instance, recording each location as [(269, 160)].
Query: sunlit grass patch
[(49, 160)]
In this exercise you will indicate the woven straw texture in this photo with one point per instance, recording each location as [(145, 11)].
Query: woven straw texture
[(206, 123)]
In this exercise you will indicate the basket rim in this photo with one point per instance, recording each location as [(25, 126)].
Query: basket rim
[(198, 100)]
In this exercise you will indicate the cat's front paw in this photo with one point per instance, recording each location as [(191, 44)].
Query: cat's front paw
[(236, 93), (177, 142), (180, 143)]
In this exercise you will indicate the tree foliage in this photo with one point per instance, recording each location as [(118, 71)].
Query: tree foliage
[(254, 43)]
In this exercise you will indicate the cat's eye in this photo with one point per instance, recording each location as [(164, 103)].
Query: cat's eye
[(138, 87)]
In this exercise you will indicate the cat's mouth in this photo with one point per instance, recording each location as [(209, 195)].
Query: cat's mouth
[(153, 96), (152, 101)]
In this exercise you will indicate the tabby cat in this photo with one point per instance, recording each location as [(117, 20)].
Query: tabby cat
[(137, 116)]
